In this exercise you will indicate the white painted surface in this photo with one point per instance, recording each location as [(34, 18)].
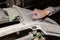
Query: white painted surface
[(27, 23)]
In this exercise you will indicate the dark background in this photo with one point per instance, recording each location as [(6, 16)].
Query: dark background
[(2, 4), (41, 4)]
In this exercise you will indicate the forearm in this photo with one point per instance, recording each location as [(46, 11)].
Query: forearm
[(53, 10)]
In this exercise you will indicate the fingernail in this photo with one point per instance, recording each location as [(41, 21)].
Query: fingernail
[(32, 14)]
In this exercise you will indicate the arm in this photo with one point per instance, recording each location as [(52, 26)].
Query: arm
[(53, 10), (38, 14)]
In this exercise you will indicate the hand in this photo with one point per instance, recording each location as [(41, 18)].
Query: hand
[(37, 14), (36, 38)]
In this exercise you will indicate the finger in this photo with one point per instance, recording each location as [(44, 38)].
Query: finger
[(37, 10), (35, 17), (33, 14)]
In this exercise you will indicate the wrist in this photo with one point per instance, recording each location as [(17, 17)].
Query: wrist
[(47, 11)]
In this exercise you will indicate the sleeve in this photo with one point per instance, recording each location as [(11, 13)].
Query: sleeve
[(53, 10)]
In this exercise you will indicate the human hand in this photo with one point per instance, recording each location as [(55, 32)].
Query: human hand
[(38, 14)]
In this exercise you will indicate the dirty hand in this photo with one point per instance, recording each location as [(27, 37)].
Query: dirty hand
[(37, 14)]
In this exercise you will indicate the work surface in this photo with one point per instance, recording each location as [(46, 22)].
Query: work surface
[(26, 22)]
